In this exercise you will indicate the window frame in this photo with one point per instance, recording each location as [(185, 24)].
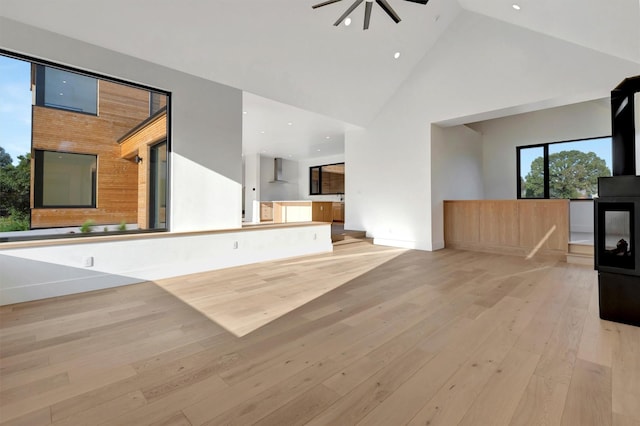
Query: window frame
[(545, 159), (38, 182), (319, 167), (545, 147)]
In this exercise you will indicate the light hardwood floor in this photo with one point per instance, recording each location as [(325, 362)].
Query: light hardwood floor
[(395, 337)]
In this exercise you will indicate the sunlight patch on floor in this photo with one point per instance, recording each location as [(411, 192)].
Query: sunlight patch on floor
[(245, 298)]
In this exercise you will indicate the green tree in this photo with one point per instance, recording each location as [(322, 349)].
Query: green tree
[(572, 174), (15, 183), (5, 158)]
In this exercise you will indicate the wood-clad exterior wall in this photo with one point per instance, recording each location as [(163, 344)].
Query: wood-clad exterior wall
[(508, 226), (139, 143), (120, 108)]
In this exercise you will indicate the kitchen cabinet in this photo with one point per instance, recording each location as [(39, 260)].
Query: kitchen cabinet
[(266, 212), (322, 211), (338, 212)]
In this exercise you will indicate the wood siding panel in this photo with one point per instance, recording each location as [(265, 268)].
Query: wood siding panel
[(152, 133), (120, 108), (507, 226)]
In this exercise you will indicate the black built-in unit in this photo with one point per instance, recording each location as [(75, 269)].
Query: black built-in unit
[(617, 216)]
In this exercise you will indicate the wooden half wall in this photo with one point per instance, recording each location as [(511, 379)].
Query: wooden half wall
[(520, 227)]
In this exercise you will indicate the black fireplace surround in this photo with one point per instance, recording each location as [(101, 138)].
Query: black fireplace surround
[(617, 216)]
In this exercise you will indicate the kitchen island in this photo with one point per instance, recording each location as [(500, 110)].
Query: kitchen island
[(288, 211)]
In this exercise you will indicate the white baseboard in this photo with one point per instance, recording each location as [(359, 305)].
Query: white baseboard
[(414, 245), (437, 245)]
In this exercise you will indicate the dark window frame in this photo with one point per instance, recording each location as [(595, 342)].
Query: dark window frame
[(38, 182), (311, 168), (152, 189), (545, 147), (545, 156)]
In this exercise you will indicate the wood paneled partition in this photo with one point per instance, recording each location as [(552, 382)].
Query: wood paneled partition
[(522, 227)]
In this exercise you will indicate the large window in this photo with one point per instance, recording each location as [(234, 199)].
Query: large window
[(327, 179), (57, 88), (64, 179), (563, 169), (93, 156)]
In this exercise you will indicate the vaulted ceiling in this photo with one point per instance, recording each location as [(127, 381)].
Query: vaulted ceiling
[(288, 52)]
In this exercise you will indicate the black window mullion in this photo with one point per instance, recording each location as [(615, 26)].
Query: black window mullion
[(518, 174), (39, 179), (40, 82), (546, 171)]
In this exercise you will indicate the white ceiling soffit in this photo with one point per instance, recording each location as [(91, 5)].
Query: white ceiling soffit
[(608, 26), (280, 49), (277, 130)]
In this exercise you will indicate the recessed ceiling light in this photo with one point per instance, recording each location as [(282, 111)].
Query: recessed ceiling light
[(244, 112), (60, 94), (327, 137), (318, 150), (347, 22), (396, 55), (262, 131), (289, 124), (516, 6), (64, 81)]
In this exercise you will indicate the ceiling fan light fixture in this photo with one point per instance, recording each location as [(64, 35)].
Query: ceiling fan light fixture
[(367, 12)]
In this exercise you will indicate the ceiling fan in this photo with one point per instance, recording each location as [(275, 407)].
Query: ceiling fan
[(367, 11)]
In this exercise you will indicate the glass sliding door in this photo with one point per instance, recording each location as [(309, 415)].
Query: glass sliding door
[(158, 186)]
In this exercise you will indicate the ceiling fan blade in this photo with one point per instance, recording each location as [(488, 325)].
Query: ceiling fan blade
[(348, 12), (387, 8), (367, 14), (324, 3), (419, 1)]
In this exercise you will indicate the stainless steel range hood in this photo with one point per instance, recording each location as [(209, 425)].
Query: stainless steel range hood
[(277, 171)]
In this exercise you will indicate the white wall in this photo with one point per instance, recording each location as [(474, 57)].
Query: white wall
[(303, 177), (478, 66), (278, 191), (41, 272), (501, 136), (251, 184), (456, 171)]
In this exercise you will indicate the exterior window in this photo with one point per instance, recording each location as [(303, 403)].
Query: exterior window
[(53, 160), (532, 174), (314, 173), (327, 179), (66, 90), (563, 169), (157, 101), (65, 180)]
